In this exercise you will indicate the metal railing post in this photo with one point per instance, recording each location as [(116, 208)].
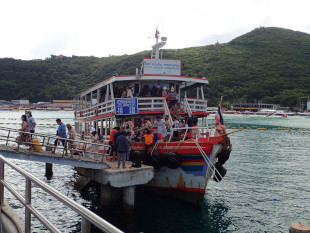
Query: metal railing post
[(28, 203), (7, 139), (85, 226), (1, 185)]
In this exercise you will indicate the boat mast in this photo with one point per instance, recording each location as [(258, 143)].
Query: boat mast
[(158, 45)]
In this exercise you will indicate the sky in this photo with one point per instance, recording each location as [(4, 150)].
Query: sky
[(35, 29)]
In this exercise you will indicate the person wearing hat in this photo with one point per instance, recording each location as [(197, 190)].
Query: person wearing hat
[(61, 133), (220, 130), (172, 97), (164, 92)]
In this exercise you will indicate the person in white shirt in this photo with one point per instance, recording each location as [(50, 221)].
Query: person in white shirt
[(159, 125), (130, 92)]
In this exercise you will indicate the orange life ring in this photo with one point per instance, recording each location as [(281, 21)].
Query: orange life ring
[(80, 113), (96, 111), (75, 113)]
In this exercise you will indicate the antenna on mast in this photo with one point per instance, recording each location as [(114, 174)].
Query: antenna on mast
[(158, 45)]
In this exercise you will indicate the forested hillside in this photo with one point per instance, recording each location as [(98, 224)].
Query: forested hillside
[(271, 65)]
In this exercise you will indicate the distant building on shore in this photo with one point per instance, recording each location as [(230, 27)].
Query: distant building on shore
[(254, 107), (20, 102)]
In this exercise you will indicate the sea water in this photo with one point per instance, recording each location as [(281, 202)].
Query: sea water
[(266, 187)]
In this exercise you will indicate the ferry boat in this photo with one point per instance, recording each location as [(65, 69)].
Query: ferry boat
[(183, 166)]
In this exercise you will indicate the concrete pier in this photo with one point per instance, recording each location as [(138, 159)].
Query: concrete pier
[(126, 178)]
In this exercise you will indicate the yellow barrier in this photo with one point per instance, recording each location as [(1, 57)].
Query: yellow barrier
[(284, 129), (261, 128)]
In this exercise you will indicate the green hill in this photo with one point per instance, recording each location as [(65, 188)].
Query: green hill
[(271, 65)]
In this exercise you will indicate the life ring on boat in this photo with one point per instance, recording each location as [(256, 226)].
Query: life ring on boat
[(80, 113), (74, 113), (96, 111)]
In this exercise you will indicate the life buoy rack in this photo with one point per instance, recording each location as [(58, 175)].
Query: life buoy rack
[(96, 111)]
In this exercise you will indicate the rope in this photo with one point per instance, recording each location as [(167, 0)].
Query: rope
[(210, 164)]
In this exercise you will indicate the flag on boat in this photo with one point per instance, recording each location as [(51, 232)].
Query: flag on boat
[(219, 114)]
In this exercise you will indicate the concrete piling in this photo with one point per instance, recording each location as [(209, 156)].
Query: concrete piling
[(48, 170), (106, 195), (129, 197)]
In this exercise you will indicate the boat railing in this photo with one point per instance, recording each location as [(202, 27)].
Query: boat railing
[(151, 103), (196, 105), (95, 151), (98, 109), (167, 112), (144, 104), (186, 107), (197, 132), (88, 217)]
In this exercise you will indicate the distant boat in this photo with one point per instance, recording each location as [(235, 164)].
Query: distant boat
[(5, 109)]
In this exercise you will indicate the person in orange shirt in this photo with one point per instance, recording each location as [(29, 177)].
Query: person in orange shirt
[(148, 141), (111, 141)]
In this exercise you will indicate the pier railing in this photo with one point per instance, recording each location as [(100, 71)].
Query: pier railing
[(88, 217), (95, 151)]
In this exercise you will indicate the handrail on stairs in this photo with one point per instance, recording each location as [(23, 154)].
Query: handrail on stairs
[(88, 217)]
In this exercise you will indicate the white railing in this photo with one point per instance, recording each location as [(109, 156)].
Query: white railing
[(98, 109), (9, 136), (187, 107), (144, 104), (197, 132), (151, 103), (196, 105), (167, 112), (88, 217)]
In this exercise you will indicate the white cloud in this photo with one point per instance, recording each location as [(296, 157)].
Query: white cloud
[(36, 28)]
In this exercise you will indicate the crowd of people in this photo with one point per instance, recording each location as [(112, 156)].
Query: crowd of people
[(148, 133), (170, 94), (120, 137)]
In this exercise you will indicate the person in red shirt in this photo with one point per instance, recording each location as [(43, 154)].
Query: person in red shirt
[(111, 141)]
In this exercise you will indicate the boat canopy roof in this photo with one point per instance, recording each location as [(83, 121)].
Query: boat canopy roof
[(186, 81)]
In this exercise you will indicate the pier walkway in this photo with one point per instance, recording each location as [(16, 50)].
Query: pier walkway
[(92, 163)]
